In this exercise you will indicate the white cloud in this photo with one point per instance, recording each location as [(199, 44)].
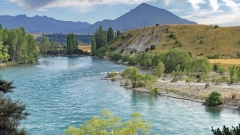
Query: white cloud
[(214, 4), (195, 3), (233, 5), (36, 4)]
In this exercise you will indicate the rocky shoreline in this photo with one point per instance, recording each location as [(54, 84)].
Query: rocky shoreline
[(196, 92)]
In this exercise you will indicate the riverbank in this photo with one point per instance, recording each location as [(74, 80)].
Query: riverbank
[(193, 91)]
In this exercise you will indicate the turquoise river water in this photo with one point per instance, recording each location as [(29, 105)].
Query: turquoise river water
[(66, 91)]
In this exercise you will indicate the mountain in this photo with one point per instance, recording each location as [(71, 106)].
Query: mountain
[(143, 15), (42, 23)]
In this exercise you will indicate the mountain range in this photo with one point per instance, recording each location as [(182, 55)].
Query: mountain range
[(141, 16)]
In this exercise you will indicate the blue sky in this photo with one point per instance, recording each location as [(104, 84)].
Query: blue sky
[(221, 12)]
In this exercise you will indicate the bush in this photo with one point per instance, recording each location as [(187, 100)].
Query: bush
[(214, 99), (125, 58), (132, 61), (175, 79), (153, 47), (207, 85), (160, 69), (155, 91), (227, 131)]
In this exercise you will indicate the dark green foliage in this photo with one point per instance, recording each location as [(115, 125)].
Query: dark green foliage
[(153, 47), (172, 36), (72, 44), (100, 37), (227, 131), (201, 41), (155, 91), (93, 46), (233, 74), (110, 35), (214, 99), (62, 38), (11, 112), (216, 26), (125, 58), (175, 57), (147, 49), (122, 50), (114, 56), (218, 68)]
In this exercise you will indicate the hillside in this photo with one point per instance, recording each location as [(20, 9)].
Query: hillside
[(142, 15), (196, 39), (42, 24)]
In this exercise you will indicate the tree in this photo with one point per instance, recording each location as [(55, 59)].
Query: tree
[(160, 69), (110, 35), (214, 99), (108, 124), (44, 45), (175, 57), (93, 46), (4, 56), (11, 112), (227, 131), (100, 37), (200, 65), (233, 74)]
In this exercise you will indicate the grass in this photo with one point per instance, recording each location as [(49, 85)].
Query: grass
[(202, 40), (226, 62), (85, 47), (222, 41)]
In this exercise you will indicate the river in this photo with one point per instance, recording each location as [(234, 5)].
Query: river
[(66, 91)]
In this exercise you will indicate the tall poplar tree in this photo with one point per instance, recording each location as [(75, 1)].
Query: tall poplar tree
[(93, 46)]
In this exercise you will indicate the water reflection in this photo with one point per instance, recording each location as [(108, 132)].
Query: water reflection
[(214, 112)]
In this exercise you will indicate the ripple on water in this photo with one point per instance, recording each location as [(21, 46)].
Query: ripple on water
[(66, 91)]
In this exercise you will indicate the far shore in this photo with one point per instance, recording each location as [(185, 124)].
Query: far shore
[(192, 91)]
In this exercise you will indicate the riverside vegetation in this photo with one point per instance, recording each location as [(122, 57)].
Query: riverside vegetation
[(17, 47)]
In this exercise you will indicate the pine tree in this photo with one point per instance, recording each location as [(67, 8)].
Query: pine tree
[(11, 112)]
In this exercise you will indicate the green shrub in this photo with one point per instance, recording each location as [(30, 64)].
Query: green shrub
[(175, 79), (125, 58), (111, 74), (132, 61), (201, 41), (155, 91), (190, 79), (122, 50), (153, 47), (207, 85), (227, 131), (214, 99)]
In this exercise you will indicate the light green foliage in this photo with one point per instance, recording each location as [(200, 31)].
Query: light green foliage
[(17, 46), (138, 79), (93, 46), (44, 45), (108, 124), (214, 99), (238, 74), (200, 66), (111, 74), (175, 57), (132, 61), (160, 69), (4, 56), (145, 59), (233, 74), (157, 59), (155, 91)]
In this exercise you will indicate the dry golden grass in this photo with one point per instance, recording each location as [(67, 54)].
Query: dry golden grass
[(36, 35), (85, 48), (226, 62), (198, 39), (224, 41)]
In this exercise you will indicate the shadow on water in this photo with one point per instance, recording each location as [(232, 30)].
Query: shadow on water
[(137, 96), (214, 111)]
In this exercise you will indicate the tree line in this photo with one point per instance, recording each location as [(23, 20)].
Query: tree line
[(17, 46), (101, 39), (51, 48)]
